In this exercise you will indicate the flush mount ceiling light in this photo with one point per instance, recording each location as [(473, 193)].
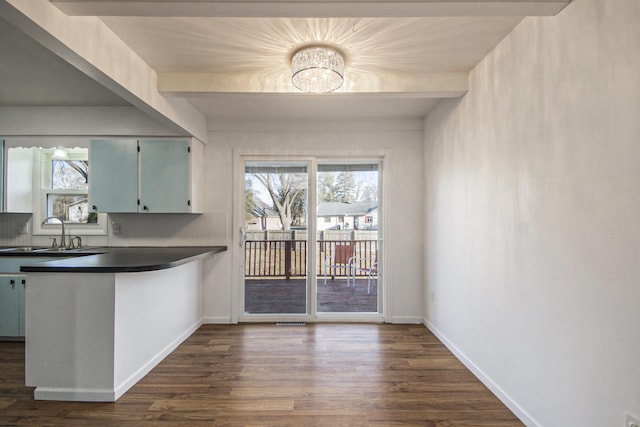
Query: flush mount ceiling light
[(59, 154), (317, 69)]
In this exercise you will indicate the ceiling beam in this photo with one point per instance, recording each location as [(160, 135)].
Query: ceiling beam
[(311, 8), (84, 120), (90, 46), (424, 85)]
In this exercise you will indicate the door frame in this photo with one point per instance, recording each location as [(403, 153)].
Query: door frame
[(311, 226), (313, 157)]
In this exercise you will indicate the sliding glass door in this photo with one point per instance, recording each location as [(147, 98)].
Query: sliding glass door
[(298, 266), (347, 214), (275, 243)]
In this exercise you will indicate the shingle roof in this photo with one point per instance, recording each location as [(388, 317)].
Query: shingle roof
[(346, 209)]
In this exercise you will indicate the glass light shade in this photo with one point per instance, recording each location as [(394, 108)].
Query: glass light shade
[(60, 154), (317, 69)]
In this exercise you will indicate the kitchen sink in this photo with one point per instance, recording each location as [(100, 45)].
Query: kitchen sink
[(35, 250), (23, 249)]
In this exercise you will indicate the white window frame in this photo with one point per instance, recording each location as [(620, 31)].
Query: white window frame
[(40, 192), (314, 157)]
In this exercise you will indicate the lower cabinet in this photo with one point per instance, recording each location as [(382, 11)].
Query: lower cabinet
[(12, 306)]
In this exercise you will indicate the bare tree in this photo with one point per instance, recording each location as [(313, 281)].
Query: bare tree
[(284, 190), (70, 174), (252, 206), (366, 191)]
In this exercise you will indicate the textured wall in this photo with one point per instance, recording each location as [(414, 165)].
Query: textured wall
[(533, 233)]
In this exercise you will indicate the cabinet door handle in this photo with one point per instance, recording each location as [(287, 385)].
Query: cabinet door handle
[(24, 282), (12, 283), (145, 208), (95, 208)]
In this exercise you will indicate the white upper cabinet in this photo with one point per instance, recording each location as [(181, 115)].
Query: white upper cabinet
[(19, 180), (149, 176)]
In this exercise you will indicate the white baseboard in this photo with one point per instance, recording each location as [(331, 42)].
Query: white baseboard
[(147, 367), (107, 395), (74, 394), (217, 320), (524, 416), (406, 320)]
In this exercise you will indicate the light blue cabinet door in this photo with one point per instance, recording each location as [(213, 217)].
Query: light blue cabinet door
[(9, 307), (164, 176), (113, 176)]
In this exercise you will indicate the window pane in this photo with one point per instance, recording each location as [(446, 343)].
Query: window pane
[(347, 237), (72, 208), (276, 246), (69, 174)]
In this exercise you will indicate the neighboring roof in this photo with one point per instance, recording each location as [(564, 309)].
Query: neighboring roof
[(332, 209), (269, 211), (346, 209)]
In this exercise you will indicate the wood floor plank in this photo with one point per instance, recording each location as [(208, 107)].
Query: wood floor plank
[(266, 375)]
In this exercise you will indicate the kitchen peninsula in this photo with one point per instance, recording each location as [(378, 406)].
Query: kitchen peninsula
[(97, 324)]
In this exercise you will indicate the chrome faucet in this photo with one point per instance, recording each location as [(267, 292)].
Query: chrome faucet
[(63, 243)]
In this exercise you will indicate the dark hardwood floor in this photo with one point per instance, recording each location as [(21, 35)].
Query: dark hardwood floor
[(267, 375)]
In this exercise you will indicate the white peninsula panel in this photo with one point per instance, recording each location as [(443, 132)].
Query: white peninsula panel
[(91, 336)]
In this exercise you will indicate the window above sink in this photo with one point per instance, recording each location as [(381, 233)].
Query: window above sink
[(49, 177), (64, 184)]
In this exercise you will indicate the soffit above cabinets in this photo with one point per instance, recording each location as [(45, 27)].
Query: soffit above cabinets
[(32, 75)]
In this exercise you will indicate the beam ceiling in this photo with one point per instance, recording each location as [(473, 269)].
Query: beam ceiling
[(310, 8), (171, 55)]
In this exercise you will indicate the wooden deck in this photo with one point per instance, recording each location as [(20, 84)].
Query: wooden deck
[(351, 375), (279, 296)]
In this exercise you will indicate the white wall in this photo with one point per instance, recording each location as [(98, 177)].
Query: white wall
[(533, 232), (400, 140)]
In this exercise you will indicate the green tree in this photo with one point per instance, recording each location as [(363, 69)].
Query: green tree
[(345, 187), (327, 186)]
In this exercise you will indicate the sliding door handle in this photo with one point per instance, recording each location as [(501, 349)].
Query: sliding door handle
[(243, 236)]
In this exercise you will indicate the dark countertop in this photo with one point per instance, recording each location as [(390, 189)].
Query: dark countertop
[(123, 260)]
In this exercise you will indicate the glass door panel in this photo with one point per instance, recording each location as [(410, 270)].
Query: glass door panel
[(275, 227), (347, 241)]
